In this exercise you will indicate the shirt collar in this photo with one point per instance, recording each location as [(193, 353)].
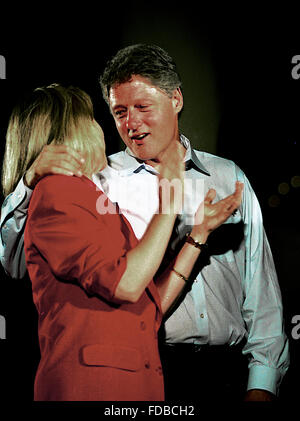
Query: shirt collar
[(134, 165), (191, 159)]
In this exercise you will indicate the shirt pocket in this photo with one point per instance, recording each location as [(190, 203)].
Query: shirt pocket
[(115, 356)]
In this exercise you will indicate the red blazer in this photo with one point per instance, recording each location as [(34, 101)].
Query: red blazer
[(92, 347)]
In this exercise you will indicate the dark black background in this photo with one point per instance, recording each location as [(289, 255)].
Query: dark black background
[(236, 67)]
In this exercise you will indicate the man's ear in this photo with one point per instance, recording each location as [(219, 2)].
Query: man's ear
[(177, 100)]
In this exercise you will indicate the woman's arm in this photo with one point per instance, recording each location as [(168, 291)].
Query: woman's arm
[(208, 217), (144, 260)]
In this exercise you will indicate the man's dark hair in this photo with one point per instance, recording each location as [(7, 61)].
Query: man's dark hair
[(149, 61)]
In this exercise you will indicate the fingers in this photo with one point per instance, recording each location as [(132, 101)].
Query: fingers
[(54, 159), (180, 150), (64, 151), (63, 171), (60, 157), (234, 198), (175, 150), (239, 187), (74, 155), (211, 194), (170, 162), (152, 162), (210, 216)]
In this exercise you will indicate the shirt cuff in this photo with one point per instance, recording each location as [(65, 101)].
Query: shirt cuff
[(263, 377), (21, 197)]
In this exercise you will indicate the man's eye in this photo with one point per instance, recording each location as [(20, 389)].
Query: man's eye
[(143, 108), (120, 113)]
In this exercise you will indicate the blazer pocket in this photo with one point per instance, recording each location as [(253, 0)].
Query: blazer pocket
[(121, 357)]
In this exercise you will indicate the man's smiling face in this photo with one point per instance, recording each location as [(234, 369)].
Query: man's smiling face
[(145, 116)]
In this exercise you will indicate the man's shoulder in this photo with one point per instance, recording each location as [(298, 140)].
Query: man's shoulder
[(223, 172), (210, 160)]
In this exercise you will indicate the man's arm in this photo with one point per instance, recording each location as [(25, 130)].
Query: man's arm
[(13, 218), (267, 344), (53, 159)]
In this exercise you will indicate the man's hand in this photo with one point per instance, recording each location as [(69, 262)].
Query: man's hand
[(54, 159), (259, 395)]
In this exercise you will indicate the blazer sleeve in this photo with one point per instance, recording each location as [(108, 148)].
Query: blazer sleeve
[(78, 244)]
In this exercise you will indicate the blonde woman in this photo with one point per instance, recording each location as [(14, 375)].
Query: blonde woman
[(98, 308)]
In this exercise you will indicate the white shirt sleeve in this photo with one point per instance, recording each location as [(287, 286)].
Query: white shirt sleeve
[(13, 219)]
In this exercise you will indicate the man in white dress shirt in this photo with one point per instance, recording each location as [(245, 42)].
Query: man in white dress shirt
[(231, 314)]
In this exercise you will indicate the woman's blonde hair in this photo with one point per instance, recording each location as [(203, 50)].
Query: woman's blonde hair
[(51, 115)]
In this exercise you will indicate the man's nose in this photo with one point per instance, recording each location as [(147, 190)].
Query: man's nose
[(133, 121)]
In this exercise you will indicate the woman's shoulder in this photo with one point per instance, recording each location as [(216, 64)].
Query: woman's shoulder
[(66, 187), (61, 181)]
